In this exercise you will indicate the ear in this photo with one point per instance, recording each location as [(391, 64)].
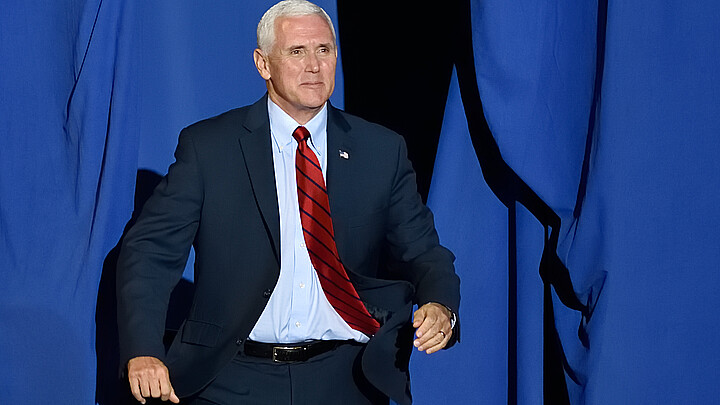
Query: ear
[(261, 63)]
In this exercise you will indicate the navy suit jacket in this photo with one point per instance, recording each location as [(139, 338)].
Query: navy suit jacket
[(220, 196)]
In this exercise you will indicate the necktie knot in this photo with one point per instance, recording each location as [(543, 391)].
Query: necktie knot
[(301, 133)]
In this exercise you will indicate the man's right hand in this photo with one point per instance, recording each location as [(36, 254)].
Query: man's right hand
[(148, 378)]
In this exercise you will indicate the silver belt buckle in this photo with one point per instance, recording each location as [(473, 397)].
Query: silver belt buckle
[(279, 349)]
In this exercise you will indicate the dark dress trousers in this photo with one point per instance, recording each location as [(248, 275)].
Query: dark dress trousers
[(220, 197)]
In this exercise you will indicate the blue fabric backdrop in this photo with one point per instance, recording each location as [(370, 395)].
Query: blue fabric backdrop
[(69, 128), (607, 110)]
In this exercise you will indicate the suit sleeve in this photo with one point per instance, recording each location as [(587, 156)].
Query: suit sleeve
[(415, 244), (154, 253)]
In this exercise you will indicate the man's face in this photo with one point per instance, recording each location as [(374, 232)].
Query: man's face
[(300, 68)]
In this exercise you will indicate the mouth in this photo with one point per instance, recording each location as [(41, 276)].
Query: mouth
[(312, 84)]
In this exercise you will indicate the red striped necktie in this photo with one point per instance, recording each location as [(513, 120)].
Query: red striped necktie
[(320, 239)]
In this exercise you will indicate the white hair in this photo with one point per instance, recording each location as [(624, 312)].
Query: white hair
[(286, 8)]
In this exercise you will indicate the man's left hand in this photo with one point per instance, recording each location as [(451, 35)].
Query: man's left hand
[(432, 321)]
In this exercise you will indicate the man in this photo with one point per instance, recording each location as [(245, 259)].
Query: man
[(311, 246)]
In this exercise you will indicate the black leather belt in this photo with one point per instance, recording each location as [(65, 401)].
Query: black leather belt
[(291, 352)]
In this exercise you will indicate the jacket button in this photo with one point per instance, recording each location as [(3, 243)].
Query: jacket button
[(238, 341), (267, 293)]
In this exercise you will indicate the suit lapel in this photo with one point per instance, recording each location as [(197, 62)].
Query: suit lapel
[(257, 152), (256, 147), (339, 171)]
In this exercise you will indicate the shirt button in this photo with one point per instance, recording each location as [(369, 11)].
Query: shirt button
[(302, 285), (302, 245), (297, 324)]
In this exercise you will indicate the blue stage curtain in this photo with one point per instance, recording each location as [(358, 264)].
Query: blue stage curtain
[(650, 217), (609, 112), (69, 133)]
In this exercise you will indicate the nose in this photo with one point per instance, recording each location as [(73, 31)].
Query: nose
[(312, 63)]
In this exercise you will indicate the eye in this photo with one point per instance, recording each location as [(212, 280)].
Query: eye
[(325, 51)]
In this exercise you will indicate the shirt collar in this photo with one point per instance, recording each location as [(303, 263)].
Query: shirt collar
[(282, 126)]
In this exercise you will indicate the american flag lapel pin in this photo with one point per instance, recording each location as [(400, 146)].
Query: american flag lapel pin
[(344, 154)]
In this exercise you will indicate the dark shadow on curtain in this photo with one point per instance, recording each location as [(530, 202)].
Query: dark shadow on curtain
[(110, 389), (597, 91), (397, 67)]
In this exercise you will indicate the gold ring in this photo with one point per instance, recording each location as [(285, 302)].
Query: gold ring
[(442, 333)]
